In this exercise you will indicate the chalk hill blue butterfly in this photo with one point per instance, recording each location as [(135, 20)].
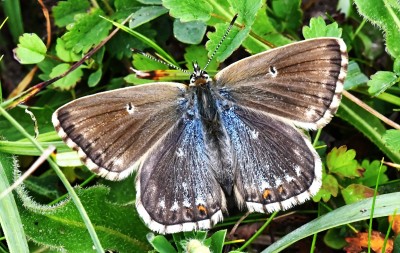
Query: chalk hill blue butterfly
[(231, 135)]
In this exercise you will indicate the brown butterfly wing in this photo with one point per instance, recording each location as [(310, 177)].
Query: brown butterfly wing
[(300, 83), (112, 130)]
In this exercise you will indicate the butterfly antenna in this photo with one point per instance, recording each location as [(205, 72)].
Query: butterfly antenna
[(158, 60), (222, 40)]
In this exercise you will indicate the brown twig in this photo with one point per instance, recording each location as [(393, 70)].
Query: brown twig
[(370, 110)]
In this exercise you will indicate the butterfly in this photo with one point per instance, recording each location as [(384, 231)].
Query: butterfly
[(235, 134)]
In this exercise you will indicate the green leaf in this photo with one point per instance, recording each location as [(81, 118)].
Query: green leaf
[(65, 54), (384, 206), (160, 243), (89, 30), (198, 54), (341, 162), (246, 15), (95, 77), (65, 11), (189, 10), (246, 10), (189, 32), (318, 28), (146, 14), (370, 175), (217, 241), (354, 77), (334, 238), (68, 82), (263, 28), (230, 44), (387, 18), (118, 227), (396, 66), (371, 127), (356, 192), (30, 49), (330, 187), (392, 139), (142, 62), (114, 45), (289, 13), (380, 81)]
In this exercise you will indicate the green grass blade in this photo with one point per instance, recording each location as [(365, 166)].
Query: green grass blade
[(12, 10), (384, 205), (10, 220)]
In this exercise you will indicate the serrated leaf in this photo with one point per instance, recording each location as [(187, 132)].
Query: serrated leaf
[(198, 54), (69, 81), (370, 175), (246, 10), (189, 32), (330, 187), (125, 8), (318, 28), (392, 139), (189, 10), (89, 30), (118, 227), (230, 44), (65, 11), (354, 77), (30, 49), (387, 18), (64, 54), (356, 192), (380, 81), (146, 14), (341, 162)]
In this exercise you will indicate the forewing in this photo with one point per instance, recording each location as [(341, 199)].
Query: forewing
[(112, 130), (300, 83), (275, 165), (176, 187)]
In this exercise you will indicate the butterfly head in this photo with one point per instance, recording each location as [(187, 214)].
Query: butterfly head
[(199, 76)]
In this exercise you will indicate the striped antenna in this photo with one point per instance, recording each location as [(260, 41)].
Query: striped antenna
[(222, 40), (158, 60)]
